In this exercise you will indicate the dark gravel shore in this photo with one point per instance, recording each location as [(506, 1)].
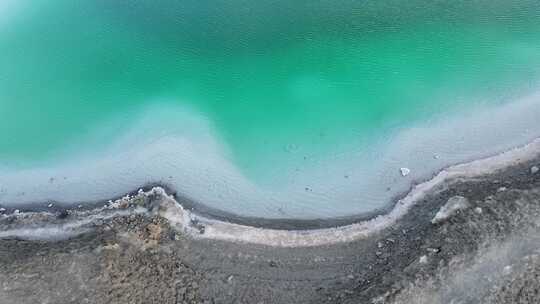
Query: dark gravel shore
[(485, 249)]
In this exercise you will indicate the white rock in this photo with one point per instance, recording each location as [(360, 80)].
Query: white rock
[(502, 189), (2, 210), (423, 259), (453, 204), (478, 210), (405, 171), (50, 205), (534, 170), (507, 270)]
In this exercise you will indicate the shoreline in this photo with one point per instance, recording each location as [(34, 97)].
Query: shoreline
[(351, 184), (200, 221), (138, 250)]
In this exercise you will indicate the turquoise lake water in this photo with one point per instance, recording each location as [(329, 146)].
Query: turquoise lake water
[(280, 86)]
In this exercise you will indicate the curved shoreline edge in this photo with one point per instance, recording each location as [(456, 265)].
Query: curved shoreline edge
[(230, 231), (198, 221)]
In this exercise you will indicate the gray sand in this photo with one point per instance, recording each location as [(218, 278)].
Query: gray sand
[(485, 251)]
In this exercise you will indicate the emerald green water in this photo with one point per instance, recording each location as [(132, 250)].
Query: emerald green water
[(278, 81)]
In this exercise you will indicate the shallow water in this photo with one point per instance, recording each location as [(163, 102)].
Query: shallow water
[(279, 109)]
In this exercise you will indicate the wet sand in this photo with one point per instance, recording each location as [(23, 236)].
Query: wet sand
[(486, 251)]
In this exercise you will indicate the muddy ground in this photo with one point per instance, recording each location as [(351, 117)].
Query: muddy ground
[(486, 251)]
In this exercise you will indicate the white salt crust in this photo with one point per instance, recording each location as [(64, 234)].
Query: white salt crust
[(219, 230)]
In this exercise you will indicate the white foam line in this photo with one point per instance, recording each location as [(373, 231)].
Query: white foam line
[(219, 230)]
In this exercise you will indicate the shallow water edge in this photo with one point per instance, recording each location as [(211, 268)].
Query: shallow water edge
[(200, 221)]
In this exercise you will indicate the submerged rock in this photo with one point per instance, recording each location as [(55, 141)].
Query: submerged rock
[(453, 204), (405, 171)]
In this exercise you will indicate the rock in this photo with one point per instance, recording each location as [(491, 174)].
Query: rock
[(405, 171), (63, 214), (423, 260), (433, 250), (123, 204), (154, 232), (454, 204), (2, 210), (478, 210), (114, 246), (49, 205), (502, 189), (534, 169)]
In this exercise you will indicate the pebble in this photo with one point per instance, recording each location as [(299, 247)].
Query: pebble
[(405, 171), (478, 210), (502, 189), (534, 170), (507, 270), (423, 259), (433, 250), (453, 205)]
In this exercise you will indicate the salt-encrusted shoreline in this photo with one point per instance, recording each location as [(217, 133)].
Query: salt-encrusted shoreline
[(221, 230), (199, 226), (481, 229)]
